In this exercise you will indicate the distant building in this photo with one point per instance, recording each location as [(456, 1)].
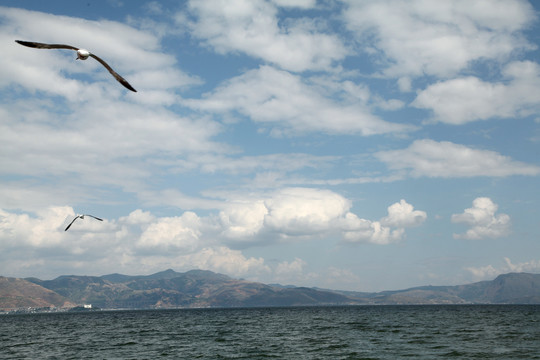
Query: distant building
[(87, 306)]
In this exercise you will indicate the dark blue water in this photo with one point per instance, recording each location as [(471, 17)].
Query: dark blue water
[(360, 332)]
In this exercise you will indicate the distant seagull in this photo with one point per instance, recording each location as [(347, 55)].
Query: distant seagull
[(81, 217), (82, 54)]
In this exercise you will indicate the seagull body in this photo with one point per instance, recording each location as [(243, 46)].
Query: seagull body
[(81, 217), (82, 54)]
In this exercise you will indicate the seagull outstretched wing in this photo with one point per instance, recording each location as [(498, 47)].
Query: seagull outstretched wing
[(92, 216), (117, 76), (46, 46), (37, 45)]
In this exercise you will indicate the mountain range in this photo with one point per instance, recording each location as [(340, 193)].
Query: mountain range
[(200, 288)]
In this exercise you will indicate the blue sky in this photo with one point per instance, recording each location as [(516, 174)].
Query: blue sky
[(358, 145)]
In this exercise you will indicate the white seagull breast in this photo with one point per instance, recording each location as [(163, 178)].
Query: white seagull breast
[(83, 54)]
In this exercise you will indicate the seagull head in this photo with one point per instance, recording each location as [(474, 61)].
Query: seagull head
[(83, 54)]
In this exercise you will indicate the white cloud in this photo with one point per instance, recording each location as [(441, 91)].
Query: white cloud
[(137, 243), (289, 212), (242, 220), (305, 4), (361, 230), (278, 98), (44, 232), (402, 215), (252, 27), (483, 272), (527, 266), (133, 53), (224, 260), (467, 99), (138, 217), (172, 234), (290, 269), (389, 229), (303, 211), (280, 162), (490, 272), (483, 221), (93, 135), (292, 213), (447, 160), (110, 144), (420, 37), (142, 242)]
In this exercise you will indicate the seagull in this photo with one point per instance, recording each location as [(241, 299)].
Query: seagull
[(82, 54), (81, 217)]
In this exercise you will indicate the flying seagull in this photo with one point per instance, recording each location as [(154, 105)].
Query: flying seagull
[(81, 217), (82, 54)]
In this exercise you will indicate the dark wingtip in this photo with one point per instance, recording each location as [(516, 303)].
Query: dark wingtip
[(26, 43), (128, 86)]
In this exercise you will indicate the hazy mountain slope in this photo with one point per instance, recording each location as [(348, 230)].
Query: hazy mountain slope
[(513, 288), (19, 293)]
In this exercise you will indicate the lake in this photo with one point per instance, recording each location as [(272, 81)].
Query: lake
[(355, 332)]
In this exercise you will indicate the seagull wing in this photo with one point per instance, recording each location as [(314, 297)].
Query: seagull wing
[(46, 46), (94, 217), (120, 79), (72, 221)]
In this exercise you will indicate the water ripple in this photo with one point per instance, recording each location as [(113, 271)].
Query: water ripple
[(368, 332)]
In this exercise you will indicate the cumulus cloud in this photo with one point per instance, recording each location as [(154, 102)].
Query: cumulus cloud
[(362, 230), (224, 260), (252, 27), (420, 37), (179, 233), (292, 269), (402, 215), (288, 212), (482, 220), (445, 159), (244, 219), (304, 211), (389, 229), (298, 212), (139, 242), (32, 241), (466, 99), (284, 214), (144, 242), (278, 98), (21, 229)]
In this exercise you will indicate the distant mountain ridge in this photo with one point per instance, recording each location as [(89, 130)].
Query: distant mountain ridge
[(511, 288), (202, 288)]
